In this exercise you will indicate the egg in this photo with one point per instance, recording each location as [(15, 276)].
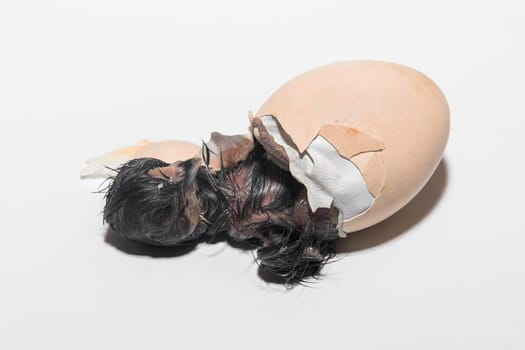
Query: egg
[(334, 150), (363, 135)]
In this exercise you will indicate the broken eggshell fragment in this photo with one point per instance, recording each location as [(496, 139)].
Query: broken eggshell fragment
[(388, 121), (169, 151)]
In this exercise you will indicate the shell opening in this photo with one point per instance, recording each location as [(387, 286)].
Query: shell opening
[(329, 177)]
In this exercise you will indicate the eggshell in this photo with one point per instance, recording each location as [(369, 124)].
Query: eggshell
[(168, 151), (390, 120)]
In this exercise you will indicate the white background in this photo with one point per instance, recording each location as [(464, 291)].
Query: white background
[(78, 78)]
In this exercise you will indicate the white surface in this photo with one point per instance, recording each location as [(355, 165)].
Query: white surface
[(78, 78)]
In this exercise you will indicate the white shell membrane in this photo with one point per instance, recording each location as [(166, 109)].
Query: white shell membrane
[(327, 175)]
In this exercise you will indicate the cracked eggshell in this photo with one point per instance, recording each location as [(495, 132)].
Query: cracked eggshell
[(168, 151), (390, 120)]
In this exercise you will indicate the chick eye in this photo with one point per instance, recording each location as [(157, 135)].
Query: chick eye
[(181, 173)]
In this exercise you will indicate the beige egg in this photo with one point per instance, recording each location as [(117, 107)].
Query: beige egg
[(390, 121), (362, 136)]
